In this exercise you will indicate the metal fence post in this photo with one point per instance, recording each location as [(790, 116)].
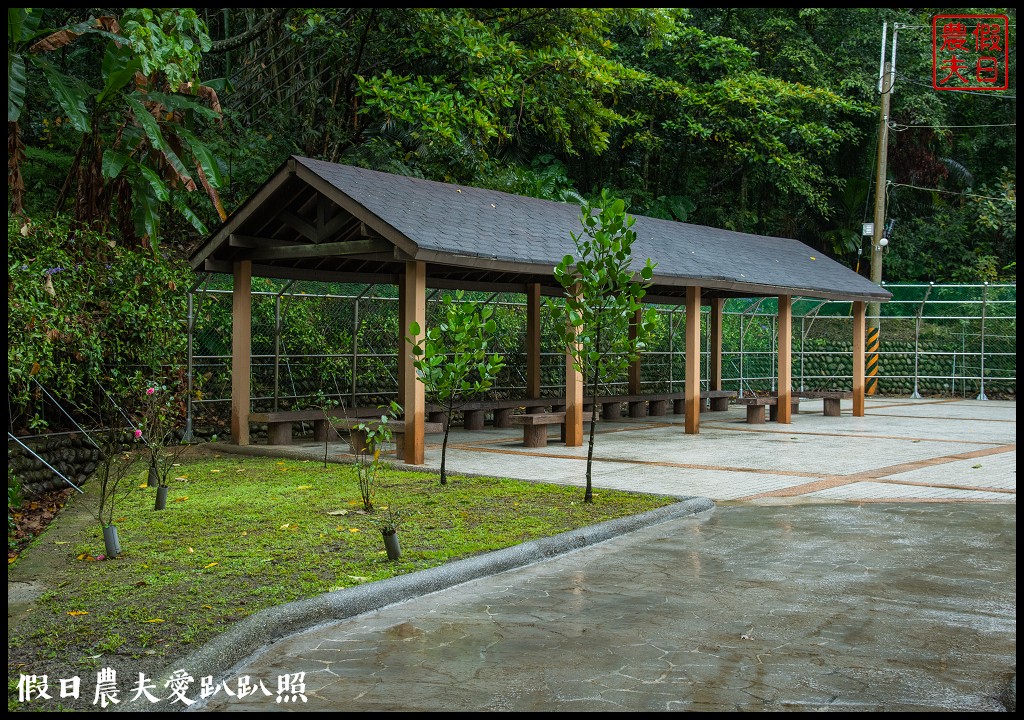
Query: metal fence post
[(984, 304), (917, 341), (802, 318), (277, 350), (740, 355), (187, 436), (355, 351)]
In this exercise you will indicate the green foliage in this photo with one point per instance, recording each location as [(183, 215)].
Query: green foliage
[(82, 310), (137, 144), (167, 40), (603, 295), (14, 500), (453, 359)]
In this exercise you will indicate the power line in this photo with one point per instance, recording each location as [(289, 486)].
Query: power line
[(948, 192), (990, 93), (900, 127)]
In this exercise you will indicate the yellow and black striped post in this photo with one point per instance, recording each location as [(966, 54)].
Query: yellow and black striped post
[(871, 366)]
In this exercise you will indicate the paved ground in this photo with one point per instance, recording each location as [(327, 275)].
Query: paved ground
[(844, 564)]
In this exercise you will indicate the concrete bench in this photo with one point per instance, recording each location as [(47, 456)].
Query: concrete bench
[(280, 423), (535, 426), (832, 399), (357, 437), (474, 412), (717, 400), (756, 406), (656, 404)]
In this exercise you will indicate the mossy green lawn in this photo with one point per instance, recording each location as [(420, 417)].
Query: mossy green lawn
[(241, 534)]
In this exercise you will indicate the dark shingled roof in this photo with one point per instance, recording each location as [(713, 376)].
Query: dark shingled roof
[(485, 239)]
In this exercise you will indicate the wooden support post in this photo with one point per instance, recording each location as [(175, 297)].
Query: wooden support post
[(858, 358), (412, 296), (785, 359), (715, 366), (533, 341), (634, 367), (692, 421), (573, 403), (241, 351)]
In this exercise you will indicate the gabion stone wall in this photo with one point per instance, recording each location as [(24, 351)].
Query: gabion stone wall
[(72, 456)]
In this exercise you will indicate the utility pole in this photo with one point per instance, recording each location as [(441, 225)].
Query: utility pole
[(878, 239)]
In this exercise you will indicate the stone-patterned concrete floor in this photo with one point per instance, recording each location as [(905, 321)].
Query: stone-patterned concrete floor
[(851, 564), (841, 607)]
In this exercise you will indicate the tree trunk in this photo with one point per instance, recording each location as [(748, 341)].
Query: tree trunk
[(444, 443)]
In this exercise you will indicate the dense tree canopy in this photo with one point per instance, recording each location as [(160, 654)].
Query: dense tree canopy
[(151, 124)]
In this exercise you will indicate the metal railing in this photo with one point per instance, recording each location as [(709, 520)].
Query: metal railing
[(341, 341)]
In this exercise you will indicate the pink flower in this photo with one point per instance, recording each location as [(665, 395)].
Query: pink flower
[(150, 391), (138, 434)]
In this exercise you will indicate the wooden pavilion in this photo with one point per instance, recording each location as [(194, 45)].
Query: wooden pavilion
[(314, 220)]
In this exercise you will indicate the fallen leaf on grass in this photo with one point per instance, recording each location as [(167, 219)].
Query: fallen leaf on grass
[(359, 578), (76, 613), (191, 550), (183, 498), (285, 526), (338, 512), (154, 620), (210, 565), (215, 471), (303, 487), (208, 607), (353, 530)]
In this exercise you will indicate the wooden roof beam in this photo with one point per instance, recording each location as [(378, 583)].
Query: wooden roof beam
[(323, 250)]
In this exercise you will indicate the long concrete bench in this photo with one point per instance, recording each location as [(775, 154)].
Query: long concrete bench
[(280, 423), (474, 412), (756, 406), (357, 436), (535, 426), (832, 399), (656, 404)]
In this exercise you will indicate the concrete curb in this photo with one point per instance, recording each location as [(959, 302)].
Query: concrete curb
[(218, 657)]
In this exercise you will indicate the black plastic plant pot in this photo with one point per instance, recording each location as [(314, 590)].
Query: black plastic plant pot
[(391, 544)]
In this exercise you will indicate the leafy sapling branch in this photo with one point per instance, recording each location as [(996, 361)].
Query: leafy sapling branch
[(452, 359), (367, 439), (325, 404), (161, 409), (602, 300)]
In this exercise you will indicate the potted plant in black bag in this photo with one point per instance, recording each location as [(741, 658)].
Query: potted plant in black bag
[(160, 409), (115, 464), (389, 519)]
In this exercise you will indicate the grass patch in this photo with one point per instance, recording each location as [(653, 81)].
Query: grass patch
[(241, 534)]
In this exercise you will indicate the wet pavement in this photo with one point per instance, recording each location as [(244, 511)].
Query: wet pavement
[(836, 564)]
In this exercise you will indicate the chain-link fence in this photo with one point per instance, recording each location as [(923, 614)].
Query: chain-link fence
[(340, 342)]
